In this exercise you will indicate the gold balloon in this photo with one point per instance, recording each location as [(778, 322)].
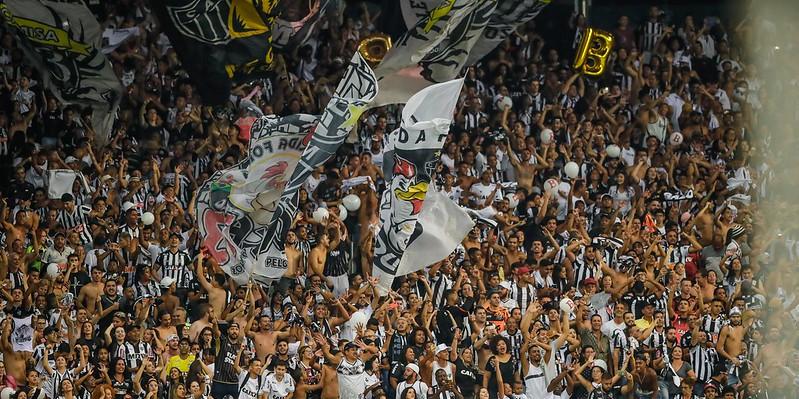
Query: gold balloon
[(593, 52), (374, 47)]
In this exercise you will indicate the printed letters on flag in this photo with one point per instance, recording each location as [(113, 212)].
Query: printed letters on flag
[(434, 50), (425, 123), (64, 41), (357, 88), (235, 205)]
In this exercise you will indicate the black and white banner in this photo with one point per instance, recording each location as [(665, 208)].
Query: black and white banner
[(417, 144), (434, 50), (508, 15), (357, 88), (64, 42), (235, 205)]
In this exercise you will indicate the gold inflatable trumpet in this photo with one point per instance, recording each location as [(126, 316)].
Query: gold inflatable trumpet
[(592, 55), (374, 47)]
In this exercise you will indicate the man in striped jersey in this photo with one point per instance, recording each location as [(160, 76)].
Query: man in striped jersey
[(174, 263), (75, 218)]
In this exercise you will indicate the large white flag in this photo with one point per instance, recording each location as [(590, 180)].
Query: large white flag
[(444, 226), (60, 182), (426, 120), (434, 50)]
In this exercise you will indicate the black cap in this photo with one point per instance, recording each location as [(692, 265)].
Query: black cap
[(350, 345)]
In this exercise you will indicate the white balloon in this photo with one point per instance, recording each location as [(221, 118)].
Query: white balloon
[(613, 151), (676, 139), (551, 186), (547, 136), (352, 202), (566, 305), (504, 102), (342, 212), (147, 218), (320, 215), (52, 270), (571, 169)]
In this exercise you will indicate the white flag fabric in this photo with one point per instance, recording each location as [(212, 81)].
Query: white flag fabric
[(444, 226), (60, 182), (434, 50), (425, 123)]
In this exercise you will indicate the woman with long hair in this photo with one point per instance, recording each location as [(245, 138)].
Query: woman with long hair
[(120, 378), (676, 367), (500, 367), (115, 343), (309, 384)]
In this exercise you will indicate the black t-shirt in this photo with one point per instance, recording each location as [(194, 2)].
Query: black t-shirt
[(466, 377)]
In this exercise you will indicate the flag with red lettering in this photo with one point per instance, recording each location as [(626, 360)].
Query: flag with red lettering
[(417, 144)]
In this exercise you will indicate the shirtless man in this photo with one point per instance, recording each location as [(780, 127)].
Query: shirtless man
[(295, 257), (216, 293), (25, 222), (265, 338), (206, 320), (165, 328), (731, 338), (15, 361), (318, 257), (89, 295)]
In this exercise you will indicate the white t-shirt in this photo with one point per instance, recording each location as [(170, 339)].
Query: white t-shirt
[(274, 389), (482, 191), (351, 379), (251, 389), (418, 386)]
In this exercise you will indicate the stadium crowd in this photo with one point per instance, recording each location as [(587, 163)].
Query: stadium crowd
[(640, 271)]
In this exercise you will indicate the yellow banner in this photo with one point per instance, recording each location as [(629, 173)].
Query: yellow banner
[(44, 34)]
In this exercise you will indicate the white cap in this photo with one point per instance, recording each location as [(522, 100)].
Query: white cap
[(441, 348), (127, 205), (70, 159), (505, 284), (167, 282), (413, 367), (601, 364)]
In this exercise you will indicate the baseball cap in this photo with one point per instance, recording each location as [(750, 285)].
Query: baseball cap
[(413, 367), (127, 205), (49, 330), (523, 270), (601, 364), (589, 280), (350, 345), (172, 337), (505, 284), (735, 311), (166, 282), (710, 385), (70, 159), (441, 348)]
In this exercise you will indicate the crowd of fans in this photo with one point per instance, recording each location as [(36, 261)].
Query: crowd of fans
[(639, 274)]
